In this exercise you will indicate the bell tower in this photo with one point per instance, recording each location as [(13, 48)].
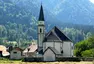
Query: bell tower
[(41, 28)]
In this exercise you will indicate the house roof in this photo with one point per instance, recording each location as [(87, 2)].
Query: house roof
[(2, 48), (31, 48), (53, 50), (17, 48), (5, 53), (57, 33)]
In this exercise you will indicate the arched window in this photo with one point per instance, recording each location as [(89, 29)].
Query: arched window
[(62, 51), (40, 30)]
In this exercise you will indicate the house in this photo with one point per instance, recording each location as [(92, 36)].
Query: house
[(50, 54), (54, 40), (3, 51), (16, 53), (30, 51)]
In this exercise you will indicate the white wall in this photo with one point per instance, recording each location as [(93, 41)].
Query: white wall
[(56, 45), (41, 34), (67, 49), (47, 44), (44, 47), (16, 55), (72, 48), (49, 56), (66, 46)]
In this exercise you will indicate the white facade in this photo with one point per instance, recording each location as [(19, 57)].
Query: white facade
[(56, 45), (15, 54), (66, 46), (49, 55), (67, 49), (41, 33)]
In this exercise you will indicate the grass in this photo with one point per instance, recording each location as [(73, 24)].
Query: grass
[(45, 62), (7, 61)]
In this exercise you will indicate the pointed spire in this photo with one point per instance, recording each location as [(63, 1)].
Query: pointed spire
[(41, 15)]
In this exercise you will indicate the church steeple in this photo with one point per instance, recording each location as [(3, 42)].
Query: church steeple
[(41, 15), (41, 28)]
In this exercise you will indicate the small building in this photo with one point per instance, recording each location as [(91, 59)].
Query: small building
[(30, 51), (1, 54), (3, 51), (16, 53), (50, 54)]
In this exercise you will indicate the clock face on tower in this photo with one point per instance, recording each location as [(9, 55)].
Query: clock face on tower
[(41, 23)]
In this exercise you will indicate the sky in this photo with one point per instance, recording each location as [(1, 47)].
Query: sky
[(92, 1)]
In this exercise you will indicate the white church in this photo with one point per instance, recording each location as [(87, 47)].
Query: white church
[(54, 43)]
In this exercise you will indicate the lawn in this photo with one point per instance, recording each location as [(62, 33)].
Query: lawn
[(17, 62)]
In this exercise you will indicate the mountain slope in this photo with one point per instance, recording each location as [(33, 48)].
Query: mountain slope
[(74, 11), (63, 11)]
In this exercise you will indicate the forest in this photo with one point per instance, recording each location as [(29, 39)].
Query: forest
[(85, 48), (24, 34), (19, 24)]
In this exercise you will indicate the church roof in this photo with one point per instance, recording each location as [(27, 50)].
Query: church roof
[(56, 33), (53, 50), (41, 15)]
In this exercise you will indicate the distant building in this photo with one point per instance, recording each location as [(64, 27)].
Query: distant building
[(51, 45), (16, 53), (55, 41), (1, 54), (30, 51), (3, 51)]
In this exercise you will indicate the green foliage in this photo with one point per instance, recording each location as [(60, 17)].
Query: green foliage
[(76, 35), (19, 23), (88, 53), (85, 48), (22, 34)]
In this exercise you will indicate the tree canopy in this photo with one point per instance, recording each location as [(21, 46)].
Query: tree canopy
[(85, 48)]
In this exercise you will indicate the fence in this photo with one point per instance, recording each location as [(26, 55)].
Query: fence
[(77, 59), (62, 59)]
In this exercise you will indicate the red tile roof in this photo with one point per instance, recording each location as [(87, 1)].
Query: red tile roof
[(4, 50), (17, 48), (31, 48)]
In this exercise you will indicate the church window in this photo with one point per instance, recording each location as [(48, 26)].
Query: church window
[(40, 30), (15, 52), (62, 51)]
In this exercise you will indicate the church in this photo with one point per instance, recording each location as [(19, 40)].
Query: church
[(54, 43)]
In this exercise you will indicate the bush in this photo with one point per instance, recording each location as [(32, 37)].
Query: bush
[(88, 53)]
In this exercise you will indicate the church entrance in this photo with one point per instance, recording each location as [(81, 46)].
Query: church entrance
[(50, 58), (49, 55)]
